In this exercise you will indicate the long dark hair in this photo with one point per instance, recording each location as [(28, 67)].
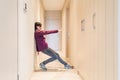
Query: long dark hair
[(37, 24)]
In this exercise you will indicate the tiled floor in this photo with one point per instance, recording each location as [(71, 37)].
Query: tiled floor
[(58, 74)]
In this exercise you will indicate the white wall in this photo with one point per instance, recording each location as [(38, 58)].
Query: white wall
[(64, 29), (93, 51), (42, 10), (26, 39), (8, 39), (118, 39), (39, 11)]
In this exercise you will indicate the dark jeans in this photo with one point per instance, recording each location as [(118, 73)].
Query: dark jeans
[(53, 55)]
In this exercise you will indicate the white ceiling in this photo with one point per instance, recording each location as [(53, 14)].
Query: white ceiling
[(53, 4)]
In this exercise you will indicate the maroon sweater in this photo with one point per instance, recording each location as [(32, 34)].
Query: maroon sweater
[(40, 39)]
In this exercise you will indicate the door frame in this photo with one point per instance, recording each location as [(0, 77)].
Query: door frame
[(118, 35)]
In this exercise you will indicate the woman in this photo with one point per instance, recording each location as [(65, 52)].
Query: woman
[(42, 46)]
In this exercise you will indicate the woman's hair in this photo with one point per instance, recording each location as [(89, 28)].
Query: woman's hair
[(37, 24)]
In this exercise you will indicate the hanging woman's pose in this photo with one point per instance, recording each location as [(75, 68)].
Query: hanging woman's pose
[(42, 46)]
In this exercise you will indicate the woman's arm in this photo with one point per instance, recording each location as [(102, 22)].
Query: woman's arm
[(47, 32)]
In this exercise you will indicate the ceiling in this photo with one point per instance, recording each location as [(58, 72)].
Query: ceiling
[(53, 4)]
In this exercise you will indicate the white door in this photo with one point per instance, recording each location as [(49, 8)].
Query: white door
[(53, 22), (8, 39)]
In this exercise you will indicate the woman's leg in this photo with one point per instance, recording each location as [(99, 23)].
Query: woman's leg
[(67, 66), (49, 53), (57, 56), (54, 56)]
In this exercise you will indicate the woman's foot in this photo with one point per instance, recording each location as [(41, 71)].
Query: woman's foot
[(68, 67), (43, 67)]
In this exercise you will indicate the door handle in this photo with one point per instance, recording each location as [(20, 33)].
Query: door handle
[(93, 20)]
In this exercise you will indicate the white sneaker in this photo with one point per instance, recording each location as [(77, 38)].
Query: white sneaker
[(68, 67), (43, 67)]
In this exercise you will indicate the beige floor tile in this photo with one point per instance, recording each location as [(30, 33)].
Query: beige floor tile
[(56, 75)]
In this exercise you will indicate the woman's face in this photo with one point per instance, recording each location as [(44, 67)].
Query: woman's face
[(38, 27)]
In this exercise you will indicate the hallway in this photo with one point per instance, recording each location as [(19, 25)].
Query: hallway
[(89, 39), (56, 75)]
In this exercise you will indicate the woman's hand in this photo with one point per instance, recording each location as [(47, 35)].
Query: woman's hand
[(59, 30), (37, 53)]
